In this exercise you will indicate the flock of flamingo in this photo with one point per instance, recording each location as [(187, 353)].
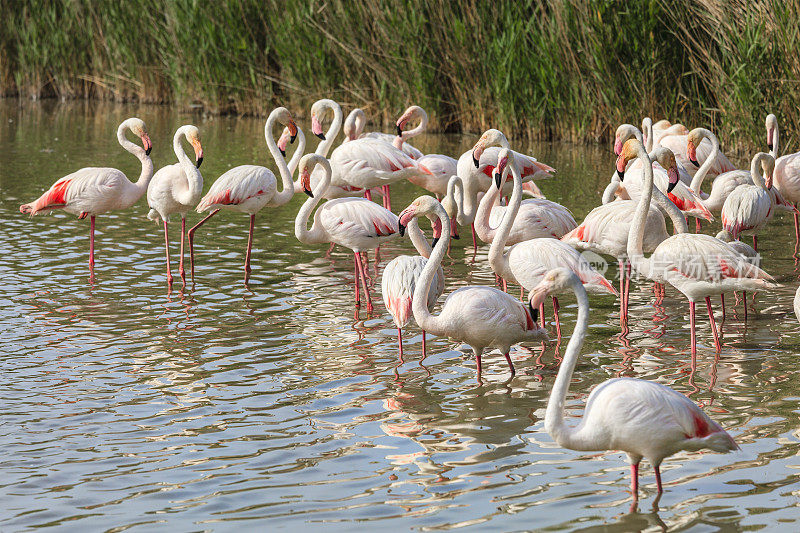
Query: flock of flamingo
[(535, 243)]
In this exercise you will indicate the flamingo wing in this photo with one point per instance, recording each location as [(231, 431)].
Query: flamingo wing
[(787, 177), (398, 283), (239, 185), (91, 190), (354, 222), (371, 163)]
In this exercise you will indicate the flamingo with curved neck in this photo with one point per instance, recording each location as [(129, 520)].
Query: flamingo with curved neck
[(93, 191), (642, 418), (749, 207)]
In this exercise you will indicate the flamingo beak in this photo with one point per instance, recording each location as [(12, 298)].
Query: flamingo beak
[(621, 164), (316, 127), (454, 229), (672, 174), (147, 144), (768, 181), (534, 312), (283, 141), (435, 240), (770, 135), (305, 181), (292, 131), (198, 153), (399, 130), (617, 146), (477, 151), (691, 152), (405, 217)]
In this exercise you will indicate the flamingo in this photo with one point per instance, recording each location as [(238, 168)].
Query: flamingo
[(177, 188), (249, 188), (92, 191), (356, 120), (642, 418), (605, 231), (787, 171), (679, 144), (526, 262), (400, 277), (481, 316), (697, 265), (354, 223), (749, 207)]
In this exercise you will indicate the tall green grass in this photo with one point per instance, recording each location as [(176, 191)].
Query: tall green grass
[(570, 70)]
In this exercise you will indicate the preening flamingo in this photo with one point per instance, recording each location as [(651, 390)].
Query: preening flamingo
[(249, 188), (697, 265), (400, 276), (177, 189), (356, 120), (93, 191), (606, 228), (526, 262), (642, 418), (749, 207), (354, 223), (483, 317), (786, 176)]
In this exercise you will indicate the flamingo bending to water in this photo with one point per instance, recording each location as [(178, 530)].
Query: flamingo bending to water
[(177, 189), (354, 223), (642, 418), (93, 191)]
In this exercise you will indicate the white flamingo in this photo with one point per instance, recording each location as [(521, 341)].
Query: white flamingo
[(787, 171), (354, 223), (698, 265), (356, 120), (679, 144), (249, 188), (400, 276), (177, 189), (642, 418), (749, 207), (93, 191), (483, 317), (526, 262)]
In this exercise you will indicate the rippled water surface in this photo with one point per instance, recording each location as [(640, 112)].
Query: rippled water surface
[(223, 406)]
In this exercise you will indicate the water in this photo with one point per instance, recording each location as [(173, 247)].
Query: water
[(220, 406)]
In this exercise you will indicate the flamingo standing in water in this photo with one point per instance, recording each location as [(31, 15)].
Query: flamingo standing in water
[(698, 265), (400, 277), (177, 189), (93, 191), (483, 317), (356, 120), (526, 262), (249, 188), (354, 223), (749, 207), (642, 418), (787, 171)]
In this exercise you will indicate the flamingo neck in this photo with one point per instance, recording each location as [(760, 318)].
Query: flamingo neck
[(418, 239), (421, 127), (298, 153), (611, 189), (498, 260), (482, 226), (554, 422), (755, 171), (316, 234), (140, 187), (419, 305), (700, 175), (194, 179), (647, 131), (333, 130), (470, 197), (455, 196), (776, 137), (287, 191), (636, 232), (679, 224)]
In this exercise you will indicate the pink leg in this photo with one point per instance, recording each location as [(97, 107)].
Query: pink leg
[(691, 327), (717, 344), (191, 237), (166, 247), (722, 300), (522, 293), (627, 289), (249, 248), (796, 227), (474, 238), (368, 194), (621, 292), (658, 479), (635, 480), (510, 364), (697, 225), (400, 341), (505, 286), (541, 314), (478, 362), (91, 247), (555, 313), (181, 270), (356, 279), (755, 242), (328, 255), (364, 283), (387, 200), (744, 299), (424, 346)]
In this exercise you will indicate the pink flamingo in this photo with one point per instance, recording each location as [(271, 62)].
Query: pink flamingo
[(249, 188), (93, 191), (400, 276), (679, 144), (354, 223), (356, 120), (749, 207), (483, 317), (698, 265), (642, 418), (787, 171), (177, 189)]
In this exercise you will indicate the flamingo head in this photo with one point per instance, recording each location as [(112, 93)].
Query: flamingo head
[(283, 140), (692, 142), (307, 164), (666, 159), (423, 205), (768, 166), (491, 137), (501, 169), (436, 224), (772, 125), (193, 136), (623, 133), (136, 125), (629, 151), (319, 111), (412, 112), (553, 282)]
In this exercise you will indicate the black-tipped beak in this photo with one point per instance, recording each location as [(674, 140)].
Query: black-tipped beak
[(435, 240), (769, 145), (620, 175), (399, 130), (671, 186), (283, 152), (321, 136), (147, 152), (402, 228), (695, 163), (309, 193), (534, 312), (456, 236), (498, 179), (198, 162), (475, 161)]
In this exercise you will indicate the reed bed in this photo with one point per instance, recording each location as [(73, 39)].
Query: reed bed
[(569, 70)]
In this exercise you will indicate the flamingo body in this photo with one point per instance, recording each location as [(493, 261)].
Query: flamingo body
[(746, 210), (536, 218), (245, 189), (356, 223), (397, 287), (441, 168)]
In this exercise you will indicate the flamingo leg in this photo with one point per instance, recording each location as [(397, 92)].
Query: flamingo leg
[(635, 480), (91, 247), (478, 354), (622, 291), (166, 247), (505, 285), (368, 194), (796, 226), (541, 314), (555, 312), (424, 346), (755, 242), (400, 341), (691, 327), (510, 364), (697, 225), (191, 237), (722, 300), (249, 248), (181, 270), (658, 479), (364, 283), (627, 289), (356, 278), (387, 201), (522, 293), (717, 344), (744, 294), (328, 255), (474, 238)]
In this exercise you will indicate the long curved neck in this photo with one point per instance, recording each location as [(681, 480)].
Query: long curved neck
[(679, 224), (287, 191), (487, 203), (554, 422), (147, 163), (418, 239), (755, 171), (421, 127), (455, 195), (498, 260), (647, 130), (776, 137), (316, 234), (193, 177), (333, 131), (469, 206), (611, 189), (700, 175), (636, 233), (424, 318), (298, 153)]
